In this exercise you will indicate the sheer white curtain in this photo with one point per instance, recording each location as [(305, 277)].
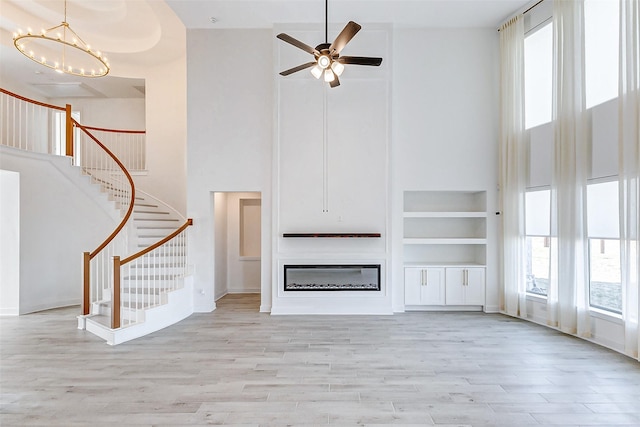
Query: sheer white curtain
[(568, 299), (512, 165), (629, 163)]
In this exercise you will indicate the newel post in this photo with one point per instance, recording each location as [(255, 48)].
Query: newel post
[(115, 294), (69, 131), (86, 283)]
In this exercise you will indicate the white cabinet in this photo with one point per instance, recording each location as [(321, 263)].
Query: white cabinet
[(424, 286), (464, 286), (444, 286)]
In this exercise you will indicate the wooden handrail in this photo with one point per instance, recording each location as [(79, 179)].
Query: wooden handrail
[(68, 131), (157, 244), (133, 192), (114, 130), (115, 294), (22, 98), (86, 283)]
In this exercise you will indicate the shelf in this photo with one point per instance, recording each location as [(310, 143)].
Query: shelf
[(445, 228), (443, 264), (333, 235), (431, 214), (444, 241)]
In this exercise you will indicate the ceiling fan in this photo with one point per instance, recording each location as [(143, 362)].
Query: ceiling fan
[(327, 60)]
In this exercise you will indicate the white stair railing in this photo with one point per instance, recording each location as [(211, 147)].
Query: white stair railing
[(146, 277), (31, 125), (127, 145)]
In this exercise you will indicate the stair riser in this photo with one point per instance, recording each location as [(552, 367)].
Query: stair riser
[(155, 271), (146, 215), (145, 284), (125, 312)]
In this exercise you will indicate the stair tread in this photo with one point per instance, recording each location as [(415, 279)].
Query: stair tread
[(151, 212), (156, 219)]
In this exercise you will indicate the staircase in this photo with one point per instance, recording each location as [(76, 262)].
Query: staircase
[(154, 290), (136, 281)]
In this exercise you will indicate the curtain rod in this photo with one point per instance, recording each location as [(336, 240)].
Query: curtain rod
[(537, 3), (526, 10)]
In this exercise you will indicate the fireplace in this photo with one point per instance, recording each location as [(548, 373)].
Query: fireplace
[(341, 277)]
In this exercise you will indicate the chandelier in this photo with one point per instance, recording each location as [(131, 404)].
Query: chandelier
[(61, 49)]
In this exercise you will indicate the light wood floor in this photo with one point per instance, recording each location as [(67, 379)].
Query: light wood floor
[(236, 366)]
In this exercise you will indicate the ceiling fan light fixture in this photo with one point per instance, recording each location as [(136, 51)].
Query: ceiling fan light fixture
[(337, 68), (316, 71), (329, 76), (324, 61)]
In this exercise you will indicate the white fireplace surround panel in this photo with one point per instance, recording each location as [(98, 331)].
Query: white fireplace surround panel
[(331, 171)]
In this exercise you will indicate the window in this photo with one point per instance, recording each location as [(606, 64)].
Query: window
[(538, 73), (59, 132), (601, 41), (538, 240), (605, 288)]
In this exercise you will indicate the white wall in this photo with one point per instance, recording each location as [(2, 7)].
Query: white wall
[(443, 127), (444, 121), (111, 113), (220, 244), (166, 124), (61, 216), (10, 243), (230, 122)]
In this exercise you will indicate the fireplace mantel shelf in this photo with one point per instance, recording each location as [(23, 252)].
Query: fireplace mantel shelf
[(335, 235)]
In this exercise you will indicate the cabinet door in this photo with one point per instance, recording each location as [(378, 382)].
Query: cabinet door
[(424, 286), (433, 286), (455, 286), (474, 290), (412, 285)]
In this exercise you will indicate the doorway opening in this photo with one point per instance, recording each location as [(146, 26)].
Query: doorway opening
[(237, 243)]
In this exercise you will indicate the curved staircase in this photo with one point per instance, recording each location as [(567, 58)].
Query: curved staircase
[(137, 280)]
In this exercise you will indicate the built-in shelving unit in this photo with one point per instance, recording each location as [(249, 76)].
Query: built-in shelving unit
[(445, 228), (445, 238)]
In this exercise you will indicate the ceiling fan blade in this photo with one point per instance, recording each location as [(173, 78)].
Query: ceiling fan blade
[(360, 60), (344, 37), (335, 82), (298, 68), (297, 43)]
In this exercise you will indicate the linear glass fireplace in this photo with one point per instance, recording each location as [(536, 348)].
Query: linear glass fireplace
[(341, 277)]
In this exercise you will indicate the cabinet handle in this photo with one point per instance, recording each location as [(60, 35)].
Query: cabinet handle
[(465, 277), (423, 278)]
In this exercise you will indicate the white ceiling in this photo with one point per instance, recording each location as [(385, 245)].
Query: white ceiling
[(400, 13), (144, 33)]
